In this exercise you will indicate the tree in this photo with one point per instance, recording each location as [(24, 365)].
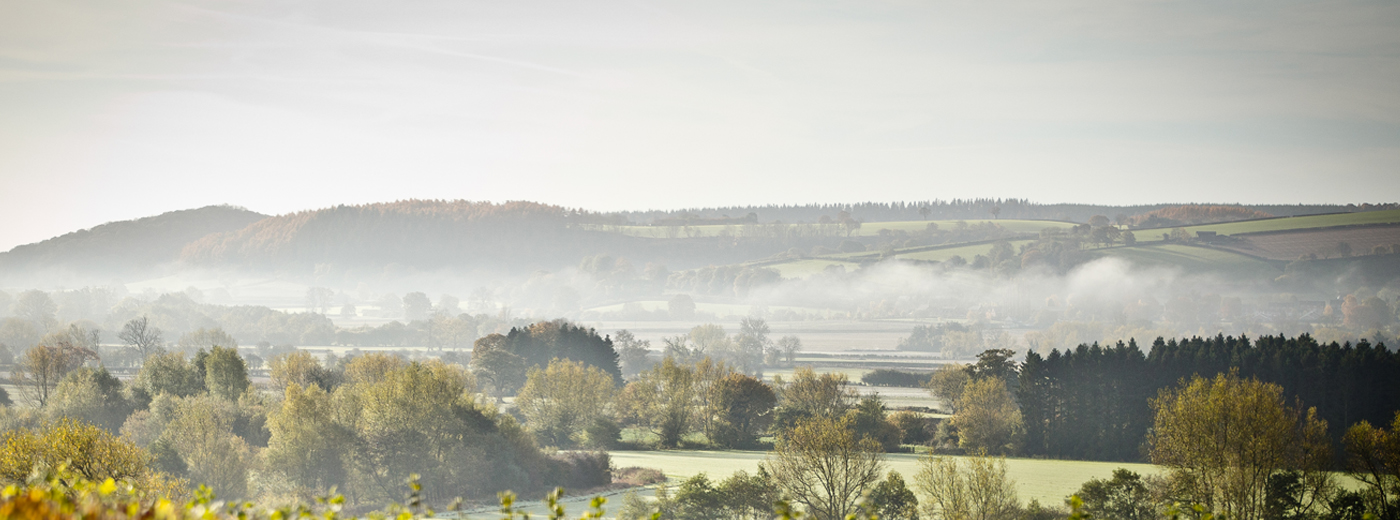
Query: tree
[(813, 395), (924, 211), (301, 368), (562, 400), (745, 407), (1373, 457), (318, 299), (662, 400), (168, 373), (92, 452), (995, 363), (869, 421), (1129, 239), (493, 364), (201, 432), (307, 445), (788, 347), (1225, 436), (37, 307), (892, 500), (92, 395), (140, 335), (38, 372), (987, 417), (751, 342), (225, 373), (947, 383), (1124, 497), (205, 339), (416, 306), (823, 466), (976, 490), (631, 352)]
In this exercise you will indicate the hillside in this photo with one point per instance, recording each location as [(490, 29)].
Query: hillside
[(415, 233), (961, 209), (125, 247)]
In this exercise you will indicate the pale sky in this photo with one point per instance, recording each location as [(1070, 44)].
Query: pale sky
[(118, 110)]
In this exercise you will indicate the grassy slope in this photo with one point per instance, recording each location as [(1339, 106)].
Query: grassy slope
[(1048, 481), (1193, 259), (1282, 224)]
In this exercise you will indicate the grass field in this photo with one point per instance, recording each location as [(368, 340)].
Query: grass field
[(1194, 259), (1280, 224), (808, 268), (1048, 481), (966, 252)]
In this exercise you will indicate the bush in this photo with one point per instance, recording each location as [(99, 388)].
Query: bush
[(584, 470)]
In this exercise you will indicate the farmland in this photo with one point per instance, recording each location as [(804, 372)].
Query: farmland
[(1048, 481), (1324, 243), (1304, 222), (1194, 259)]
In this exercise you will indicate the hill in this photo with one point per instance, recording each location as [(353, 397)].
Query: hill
[(424, 234), (956, 209), (125, 247)]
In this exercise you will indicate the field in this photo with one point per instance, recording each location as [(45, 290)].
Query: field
[(966, 252), (1194, 259), (1048, 481), (1286, 223), (1320, 242), (808, 268)]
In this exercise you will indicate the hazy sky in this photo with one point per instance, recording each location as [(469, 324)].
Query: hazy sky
[(116, 110)]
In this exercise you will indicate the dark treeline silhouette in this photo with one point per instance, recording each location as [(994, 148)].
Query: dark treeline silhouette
[(1093, 402), (958, 209)]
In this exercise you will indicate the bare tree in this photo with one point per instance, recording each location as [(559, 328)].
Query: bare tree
[(140, 335), (39, 370), (823, 466)]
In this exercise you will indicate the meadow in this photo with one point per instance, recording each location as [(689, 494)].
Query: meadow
[(1287, 223), (1193, 259), (1049, 481)]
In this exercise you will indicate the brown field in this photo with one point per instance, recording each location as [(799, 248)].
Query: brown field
[(1290, 245)]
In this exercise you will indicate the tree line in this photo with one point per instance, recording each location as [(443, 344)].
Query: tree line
[(1092, 402)]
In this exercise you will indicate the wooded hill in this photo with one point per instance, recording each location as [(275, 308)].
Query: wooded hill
[(127, 247)]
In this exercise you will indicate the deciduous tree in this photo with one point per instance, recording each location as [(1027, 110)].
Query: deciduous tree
[(562, 400), (1225, 436), (823, 466)]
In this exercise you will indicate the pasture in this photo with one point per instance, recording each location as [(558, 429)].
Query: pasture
[(1287, 223), (1194, 259), (967, 252), (1048, 481)]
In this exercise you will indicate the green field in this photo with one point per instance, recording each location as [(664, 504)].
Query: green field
[(1048, 481), (1283, 224), (967, 252), (1194, 259), (808, 268)]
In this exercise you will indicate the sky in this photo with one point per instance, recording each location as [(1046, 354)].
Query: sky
[(119, 110)]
